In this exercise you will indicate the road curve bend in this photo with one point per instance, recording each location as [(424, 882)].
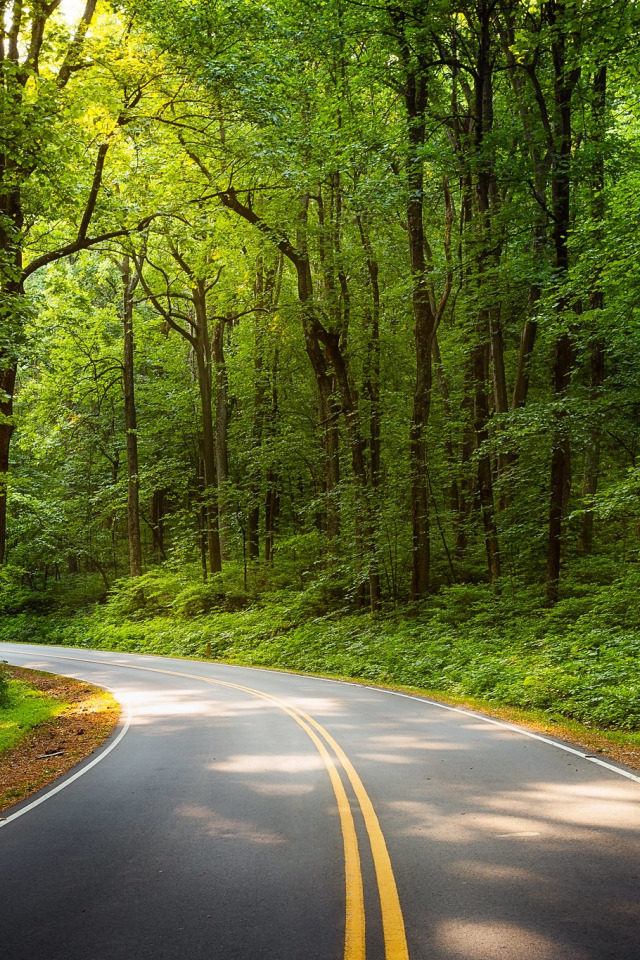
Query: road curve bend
[(244, 813)]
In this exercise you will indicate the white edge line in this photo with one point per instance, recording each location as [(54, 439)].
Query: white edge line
[(516, 729), (395, 693), (75, 776)]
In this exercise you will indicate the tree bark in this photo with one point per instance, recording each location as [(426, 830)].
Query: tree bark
[(592, 452), (129, 284), (424, 330), (487, 253), (596, 303), (560, 481), (7, 387), (204, 374)]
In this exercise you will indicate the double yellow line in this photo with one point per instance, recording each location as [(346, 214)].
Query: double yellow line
[(355, 947)]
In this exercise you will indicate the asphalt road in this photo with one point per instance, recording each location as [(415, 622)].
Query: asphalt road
[(241, 813)]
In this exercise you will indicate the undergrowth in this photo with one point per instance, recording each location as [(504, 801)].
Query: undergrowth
[(578, 660)]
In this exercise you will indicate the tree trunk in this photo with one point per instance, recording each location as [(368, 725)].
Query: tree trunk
[(222, 404), (487, 254), (592, 452), (11, 293), (424, 330), (203, 368), (500, 401), (7, 387), (129, 284), (272, 498), (271, 511), (372, 390), (560, 482), (455, 503), (485, 479)]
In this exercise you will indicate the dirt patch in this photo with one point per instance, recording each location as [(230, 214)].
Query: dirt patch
[(54, 746)]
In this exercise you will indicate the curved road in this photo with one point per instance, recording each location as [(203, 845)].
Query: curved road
[(241, 813)]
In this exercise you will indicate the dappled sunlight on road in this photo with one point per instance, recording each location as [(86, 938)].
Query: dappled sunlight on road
[(147, 706), (150, 705), (476, 870), (269, 763), (583, 804), (216, 825), (280, 789), (386, 758), (490, 940), (400, 742), (316, 706)]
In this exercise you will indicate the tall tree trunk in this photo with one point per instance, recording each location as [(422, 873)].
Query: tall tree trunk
[(129, 284), (11, 293), (455, 503), (487, 254), (500, 401), (596, 302), (220, 382), (222, 403), (485, 478), (592, 452), (272, 498), (266, 294), (204, 375), (424, 330), (560, 482), (7, 387), (202, 522), (253, 518)]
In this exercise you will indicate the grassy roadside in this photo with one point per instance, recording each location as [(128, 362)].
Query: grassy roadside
[(26, 706), (570, 671), (47, 725)]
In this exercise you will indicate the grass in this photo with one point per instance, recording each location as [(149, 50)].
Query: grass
[(65, 720), (25, 708)]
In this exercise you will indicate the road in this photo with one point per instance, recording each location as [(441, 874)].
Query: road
[(243, 813)]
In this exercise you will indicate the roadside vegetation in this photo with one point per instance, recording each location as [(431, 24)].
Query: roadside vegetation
[(22, 707), (576, 661), (47, 725), (319, 340)]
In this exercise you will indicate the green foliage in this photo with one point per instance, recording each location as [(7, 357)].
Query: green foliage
[(166, 592), (297, 114), (23, 708), (5, 695), (577, 660)]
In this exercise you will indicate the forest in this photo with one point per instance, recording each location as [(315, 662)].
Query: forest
[(320, 339)]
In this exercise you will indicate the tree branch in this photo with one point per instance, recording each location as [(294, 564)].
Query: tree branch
[(71, 60), (81, 243)]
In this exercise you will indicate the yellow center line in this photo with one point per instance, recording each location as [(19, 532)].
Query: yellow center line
[(354, 934), (395, 940)]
